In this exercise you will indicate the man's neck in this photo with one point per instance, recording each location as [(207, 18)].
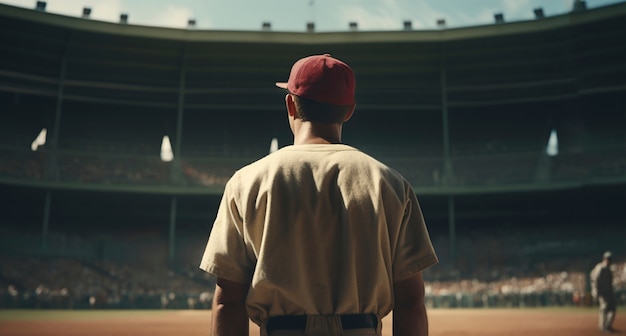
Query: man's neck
[(316, 133)]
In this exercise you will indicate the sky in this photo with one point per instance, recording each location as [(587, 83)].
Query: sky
[(293, 15)]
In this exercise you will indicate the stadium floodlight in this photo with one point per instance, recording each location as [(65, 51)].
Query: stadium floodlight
[(166, 149), (123, 18), (552, 149), (310, 27), (441, 23), (353, 26), (266, 26), (408, 25), (273, 145), (499, 17), (191, 23), (539, 13), (579, 5), (40, 140), (86, 12), (40, 6)]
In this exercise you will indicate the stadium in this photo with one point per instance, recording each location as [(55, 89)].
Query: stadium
[(116, 141)]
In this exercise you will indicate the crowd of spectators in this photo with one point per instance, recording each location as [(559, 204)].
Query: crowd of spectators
[(519, 275), (607, 162), (68, 283), (551, 289), (479, 278), (22, 164), (208, 173), (475, 169), (113, 170), (64, 283)]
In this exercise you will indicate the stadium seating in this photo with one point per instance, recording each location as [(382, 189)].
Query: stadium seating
[(94, 218)]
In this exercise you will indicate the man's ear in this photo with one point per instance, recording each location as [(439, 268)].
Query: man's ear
[(290, 104), (349, 114)]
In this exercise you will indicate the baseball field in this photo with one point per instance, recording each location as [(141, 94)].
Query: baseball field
[(443, 322)]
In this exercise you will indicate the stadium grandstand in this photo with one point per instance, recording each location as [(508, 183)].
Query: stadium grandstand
[(116, 141)]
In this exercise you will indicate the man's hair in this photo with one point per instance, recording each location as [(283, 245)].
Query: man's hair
[(311, 110)]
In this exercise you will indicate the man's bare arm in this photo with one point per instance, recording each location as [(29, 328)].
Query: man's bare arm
[(409, 312), (229, 309)]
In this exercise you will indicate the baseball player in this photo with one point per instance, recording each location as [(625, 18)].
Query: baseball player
[(318, 238), (601, 277)]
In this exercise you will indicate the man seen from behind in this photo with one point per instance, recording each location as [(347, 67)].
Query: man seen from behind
[(318, 238)]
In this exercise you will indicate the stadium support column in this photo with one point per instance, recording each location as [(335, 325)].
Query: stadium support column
[(45, 222), (172, 234), (452, 227), (448, 174), (176, 172), (53, 170)]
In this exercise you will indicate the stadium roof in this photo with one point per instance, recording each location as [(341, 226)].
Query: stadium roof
[(98, 73)]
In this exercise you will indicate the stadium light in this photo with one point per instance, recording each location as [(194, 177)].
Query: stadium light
[(166, 149), (40, 6), (266, 26), (408, 25), (86, 12), (499, 17), (539, 13), (191, 23), (273, 145), (552, 149), (579, 5), (123, 18), (40, 140), (353, 26), (441, 23), (310, 27)]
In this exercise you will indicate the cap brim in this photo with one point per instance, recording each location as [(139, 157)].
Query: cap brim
[(281, 85)]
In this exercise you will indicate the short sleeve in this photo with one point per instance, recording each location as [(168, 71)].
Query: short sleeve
[(414, 250), (226, 255)]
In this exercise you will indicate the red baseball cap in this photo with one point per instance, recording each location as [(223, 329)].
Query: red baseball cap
[(321, 78)]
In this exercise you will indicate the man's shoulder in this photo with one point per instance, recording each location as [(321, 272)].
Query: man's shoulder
[(597, 267), (601, 269), (313, 153), (341, 155)]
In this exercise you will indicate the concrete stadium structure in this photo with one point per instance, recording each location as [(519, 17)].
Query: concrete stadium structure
[(465, 114)]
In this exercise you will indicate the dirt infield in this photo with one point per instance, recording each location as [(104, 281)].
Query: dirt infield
[(443, 322)]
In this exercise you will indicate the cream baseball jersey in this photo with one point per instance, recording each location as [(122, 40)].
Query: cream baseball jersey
[(318, 229)]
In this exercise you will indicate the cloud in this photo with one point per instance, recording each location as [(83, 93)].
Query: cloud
[(21, 3), (368, 18), (105, 10), (172, 16), (518, 9), (388, 15), (465, 19), (293, 14), (515, 6)]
